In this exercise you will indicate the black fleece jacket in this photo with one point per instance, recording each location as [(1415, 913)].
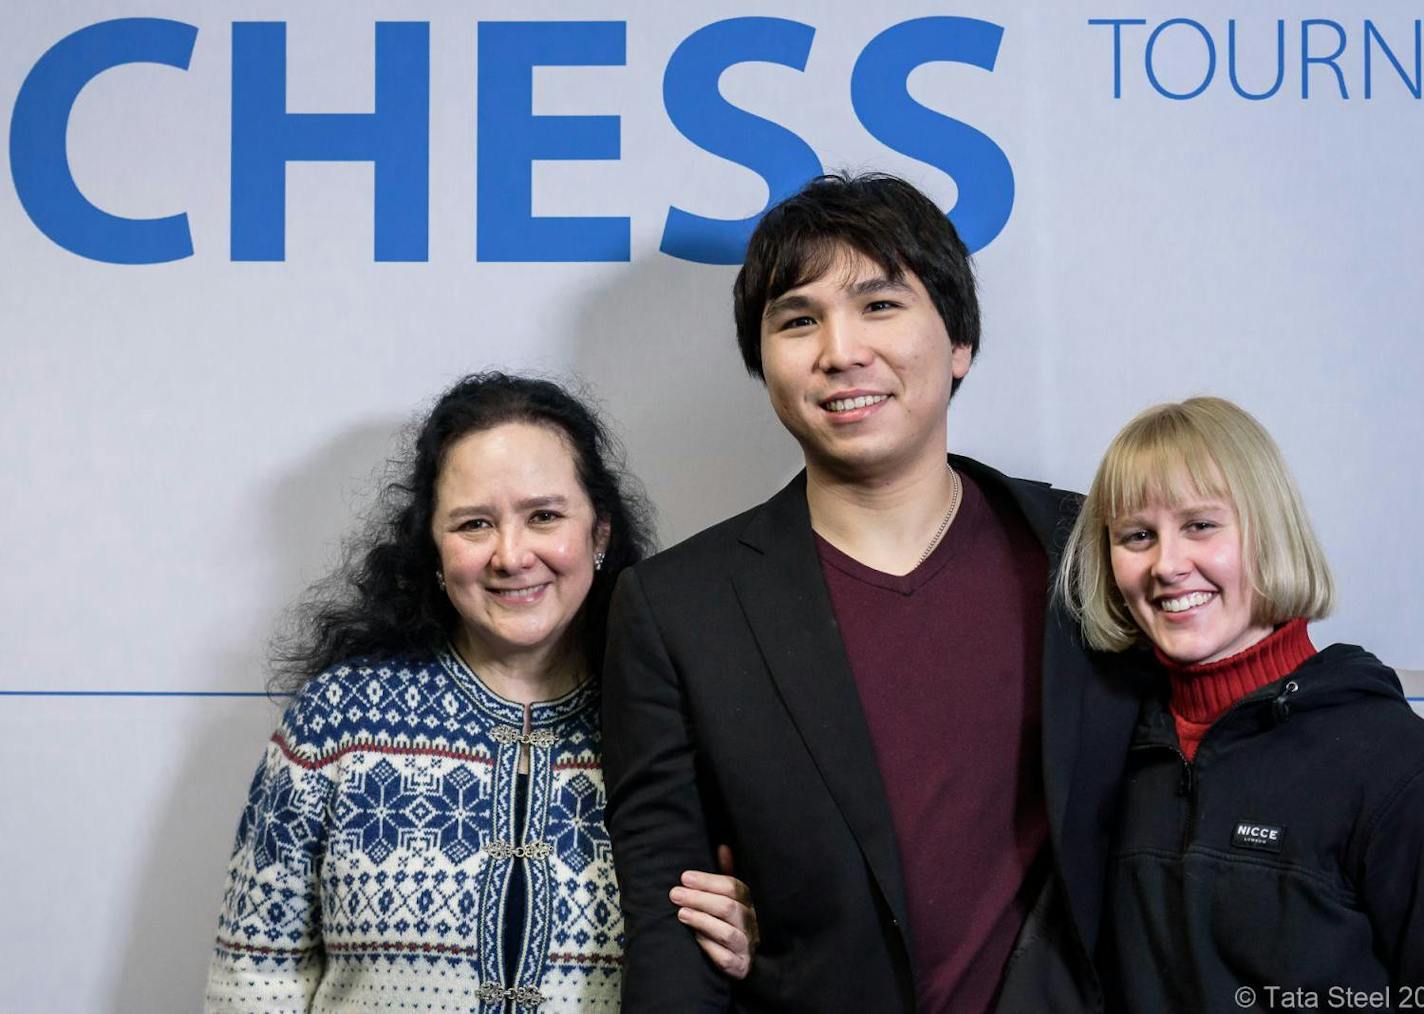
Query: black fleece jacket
[(1289, 855)]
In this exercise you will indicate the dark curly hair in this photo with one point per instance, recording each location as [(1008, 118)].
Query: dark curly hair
[(384, 598), (880, 217)]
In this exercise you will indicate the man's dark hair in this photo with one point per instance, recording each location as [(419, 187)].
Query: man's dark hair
[(880, 217), (384, 598)]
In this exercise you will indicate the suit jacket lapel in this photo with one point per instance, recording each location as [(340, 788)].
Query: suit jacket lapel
[(783, 594), (1062, 692), (1086, 717)]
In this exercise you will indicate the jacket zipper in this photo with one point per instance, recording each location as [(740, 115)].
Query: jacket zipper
[(1187, 783), (1187, 786)]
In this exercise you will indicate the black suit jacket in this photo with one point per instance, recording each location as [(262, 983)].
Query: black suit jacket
[(731, 715)]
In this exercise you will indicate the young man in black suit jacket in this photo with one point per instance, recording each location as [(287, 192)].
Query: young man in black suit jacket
[(862, 685)]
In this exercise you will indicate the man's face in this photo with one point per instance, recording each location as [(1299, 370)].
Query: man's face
[(859, 368)]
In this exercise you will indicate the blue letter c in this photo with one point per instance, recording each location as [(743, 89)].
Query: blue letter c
[(39, 157)]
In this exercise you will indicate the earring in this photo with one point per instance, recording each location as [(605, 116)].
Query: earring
[(440, 580), (598, 561)]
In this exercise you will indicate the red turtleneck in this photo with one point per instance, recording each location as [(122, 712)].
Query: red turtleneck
[(1203, 692)]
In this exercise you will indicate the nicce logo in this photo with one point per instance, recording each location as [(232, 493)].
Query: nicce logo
[(396, 136)]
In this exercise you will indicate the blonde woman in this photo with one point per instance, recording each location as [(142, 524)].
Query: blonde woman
[(1271, 833)]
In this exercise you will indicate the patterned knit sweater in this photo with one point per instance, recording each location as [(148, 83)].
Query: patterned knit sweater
[(374, 855)]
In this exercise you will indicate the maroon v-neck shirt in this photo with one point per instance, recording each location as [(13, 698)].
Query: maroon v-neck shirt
[(948, 659)]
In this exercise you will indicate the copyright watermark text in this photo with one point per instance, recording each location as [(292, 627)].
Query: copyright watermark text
[(1333, 998)]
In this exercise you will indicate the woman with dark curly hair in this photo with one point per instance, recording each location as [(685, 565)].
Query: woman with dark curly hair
[(426, 828)]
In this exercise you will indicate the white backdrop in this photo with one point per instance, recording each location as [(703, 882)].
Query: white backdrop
[(185, 442)]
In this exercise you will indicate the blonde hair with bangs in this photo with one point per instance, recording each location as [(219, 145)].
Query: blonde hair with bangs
[(1173, 454)]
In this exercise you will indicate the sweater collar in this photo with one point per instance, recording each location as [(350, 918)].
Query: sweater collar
[(510, 712), (1201, 693)]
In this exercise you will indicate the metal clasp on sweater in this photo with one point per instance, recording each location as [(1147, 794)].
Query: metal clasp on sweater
[(513, 734), (529, 850), (527, 996)]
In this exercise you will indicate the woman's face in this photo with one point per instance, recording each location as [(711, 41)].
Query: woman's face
[(1179, 568), (516, 534)]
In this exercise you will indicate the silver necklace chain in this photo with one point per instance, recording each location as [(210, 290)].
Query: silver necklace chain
[(948, 515)]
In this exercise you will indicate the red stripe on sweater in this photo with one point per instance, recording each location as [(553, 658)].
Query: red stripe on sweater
[(237, 948), (416, 751)]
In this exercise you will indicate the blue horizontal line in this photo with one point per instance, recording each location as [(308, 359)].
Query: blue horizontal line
[(138, 693)]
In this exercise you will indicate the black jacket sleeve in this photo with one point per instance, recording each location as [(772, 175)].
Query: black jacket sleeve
[(655, 812), (1393, 883)]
